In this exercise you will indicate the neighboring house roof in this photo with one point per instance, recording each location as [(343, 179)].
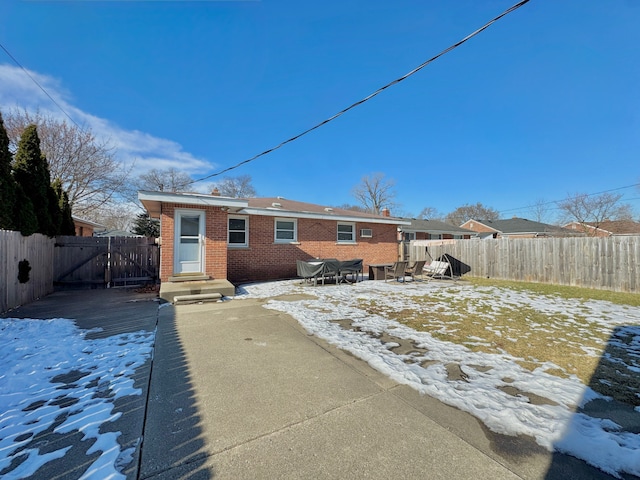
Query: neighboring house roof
[(271, 206), (86, 222), (520, 226), (435, 227), (608, 227)]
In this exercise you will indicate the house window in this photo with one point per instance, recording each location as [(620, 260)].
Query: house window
[(286, 230), (238, 235), (408, 236), (346, 232)]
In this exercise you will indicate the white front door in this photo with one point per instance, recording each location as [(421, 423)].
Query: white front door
[(189, 242)]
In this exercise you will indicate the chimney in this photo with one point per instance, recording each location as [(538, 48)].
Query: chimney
[(386, 212), (216, 192)]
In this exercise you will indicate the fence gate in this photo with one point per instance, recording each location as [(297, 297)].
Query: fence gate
[(105, 261)]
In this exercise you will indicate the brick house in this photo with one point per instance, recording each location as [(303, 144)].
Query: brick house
[(86, 228), (606, 228), (432, 230), (422, 229), (515, 228), (209, 237)]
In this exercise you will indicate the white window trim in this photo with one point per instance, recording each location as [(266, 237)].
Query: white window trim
[(285, 240), (246, 231), (353, 232)]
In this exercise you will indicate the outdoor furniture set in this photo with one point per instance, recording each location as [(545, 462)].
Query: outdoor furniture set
[(330, 268), (401, 270), (338, 271)]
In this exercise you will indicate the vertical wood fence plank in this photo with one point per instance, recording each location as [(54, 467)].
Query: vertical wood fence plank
[(38, 251), (611, 263)]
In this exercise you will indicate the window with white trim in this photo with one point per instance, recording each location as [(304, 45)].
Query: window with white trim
[(286, 230), (238, 231), (346, 232)]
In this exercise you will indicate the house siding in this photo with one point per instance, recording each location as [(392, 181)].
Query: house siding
[(264, 259)]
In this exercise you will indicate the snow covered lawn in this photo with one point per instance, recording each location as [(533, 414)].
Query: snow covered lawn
[(523, 363), (55, 381)]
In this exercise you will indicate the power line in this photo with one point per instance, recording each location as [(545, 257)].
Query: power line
[(369, 97), (39, 86), (556, 201)]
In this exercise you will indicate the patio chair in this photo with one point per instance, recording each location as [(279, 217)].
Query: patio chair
[(396, 271), (308, 271), (353, 267), (416, 269), (331, 268)]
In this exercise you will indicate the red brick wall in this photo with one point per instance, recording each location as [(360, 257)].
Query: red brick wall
[(215, 242), (264, 259)]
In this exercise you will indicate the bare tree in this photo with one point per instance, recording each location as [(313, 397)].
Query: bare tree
[(235, 187), (119, 216), (541, 211), (467, 212), (429, 213), (594, 209), (167, 180), (355, 208), (85, 165), (375, 193)]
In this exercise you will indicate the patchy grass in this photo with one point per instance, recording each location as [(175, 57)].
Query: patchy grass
[(562, 342), (562, 291)]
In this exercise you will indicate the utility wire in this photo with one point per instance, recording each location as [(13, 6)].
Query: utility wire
[(585, 195), (369, 97), (39, 86)]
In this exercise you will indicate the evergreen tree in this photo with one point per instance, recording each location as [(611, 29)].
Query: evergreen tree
[(25, 218), (32, 173), (144, 225), (55, 212), (67, 227), (7, 183)]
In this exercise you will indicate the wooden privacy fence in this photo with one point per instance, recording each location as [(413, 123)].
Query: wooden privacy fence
[(110, 261), (37, 250), (611, 263)]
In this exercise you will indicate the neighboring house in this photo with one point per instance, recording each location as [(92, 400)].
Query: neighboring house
[(85, 228), (214, 237), (516, 228), (432, 230), (606, 228), (115, 233), (429, 230)]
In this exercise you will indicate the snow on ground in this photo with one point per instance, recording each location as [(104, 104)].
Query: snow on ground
[(484, 384), (52, 376)]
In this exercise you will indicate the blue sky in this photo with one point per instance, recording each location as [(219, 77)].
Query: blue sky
[(543, 104)]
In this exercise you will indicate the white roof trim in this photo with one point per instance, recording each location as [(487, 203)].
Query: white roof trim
[(268, 212), (192, 199)]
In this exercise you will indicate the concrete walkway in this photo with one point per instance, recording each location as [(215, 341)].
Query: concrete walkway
[(237, 391), (242, 392)]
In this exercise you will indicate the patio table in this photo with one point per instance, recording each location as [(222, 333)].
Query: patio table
[(376, 270)]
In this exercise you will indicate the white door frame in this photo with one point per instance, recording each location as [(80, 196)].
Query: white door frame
[(188, 246)]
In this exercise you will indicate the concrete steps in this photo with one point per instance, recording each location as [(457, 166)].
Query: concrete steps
[(196, 289)]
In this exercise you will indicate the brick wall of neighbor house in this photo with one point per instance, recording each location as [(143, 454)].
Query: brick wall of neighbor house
[(215, 241), (477, 227), (264, 259)]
